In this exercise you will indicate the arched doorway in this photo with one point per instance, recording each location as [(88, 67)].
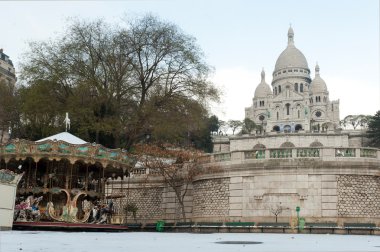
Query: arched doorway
[(287, 128), (298, 127), (276, 128)]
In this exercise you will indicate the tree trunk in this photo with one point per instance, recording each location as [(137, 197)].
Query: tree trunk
[(181, 203)]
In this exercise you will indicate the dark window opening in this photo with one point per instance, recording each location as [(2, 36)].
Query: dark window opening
[(287, 109)]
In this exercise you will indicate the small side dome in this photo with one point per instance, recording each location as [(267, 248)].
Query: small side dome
[(263, 89), (318, 85)]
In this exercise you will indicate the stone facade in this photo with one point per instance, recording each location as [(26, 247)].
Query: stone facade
[(358, 196), (7, 76), (294, 102), (147, 200), (211, 198), (7, 70)]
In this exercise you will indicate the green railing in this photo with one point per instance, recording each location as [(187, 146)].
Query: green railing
[(308, 152), (255, 154), (370, 153), (280, 153), (345, 152)]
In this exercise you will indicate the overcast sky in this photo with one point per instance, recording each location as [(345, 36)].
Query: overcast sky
[(239, 38)]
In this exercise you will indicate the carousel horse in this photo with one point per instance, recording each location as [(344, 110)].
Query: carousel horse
[(28, 210)]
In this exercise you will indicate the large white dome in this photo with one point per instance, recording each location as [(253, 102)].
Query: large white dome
[(291, 56)]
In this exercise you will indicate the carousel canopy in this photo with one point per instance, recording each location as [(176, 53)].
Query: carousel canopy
[(64, 136)]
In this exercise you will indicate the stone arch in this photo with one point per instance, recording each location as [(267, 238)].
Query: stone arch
[(287, 144), (316, 143), (298, 127), (276, 128), (259, 146)]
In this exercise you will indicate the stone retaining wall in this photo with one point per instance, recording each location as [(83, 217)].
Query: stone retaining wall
[(211, 198), (358, 196)]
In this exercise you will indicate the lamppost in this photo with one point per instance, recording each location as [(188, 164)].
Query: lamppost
[(298, 217)]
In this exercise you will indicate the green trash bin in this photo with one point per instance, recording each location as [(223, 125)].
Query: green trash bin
[(302, 224), (160, 225)]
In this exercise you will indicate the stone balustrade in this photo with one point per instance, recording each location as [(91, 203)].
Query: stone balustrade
[(294, 153)]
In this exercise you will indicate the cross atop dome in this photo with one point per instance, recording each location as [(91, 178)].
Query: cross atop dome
[(290, 36), (317, 69)]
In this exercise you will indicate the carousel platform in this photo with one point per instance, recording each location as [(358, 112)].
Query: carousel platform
[(63, 226)]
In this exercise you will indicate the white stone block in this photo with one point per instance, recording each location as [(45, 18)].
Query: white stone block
[(329, 184), (328, 206), (328, 178), (329, 192), (314, 178), (236, 193), (304, 184), (236, 180), (250, 179), (329, 213), (326, 199), (236, 206), (236, 200), (237, 186), (235, 213), (302, 178)]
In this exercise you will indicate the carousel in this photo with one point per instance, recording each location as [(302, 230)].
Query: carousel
[(64, 180)]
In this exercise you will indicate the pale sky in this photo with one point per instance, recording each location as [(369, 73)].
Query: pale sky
[(239, 38)]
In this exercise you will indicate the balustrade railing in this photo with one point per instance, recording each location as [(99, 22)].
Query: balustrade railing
[(222, 157), (370, 153), (255, 154), (311, 152), (308, 152), (344, 152), (280, 153)]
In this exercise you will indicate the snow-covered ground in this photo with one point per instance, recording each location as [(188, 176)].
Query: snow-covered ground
[(28, 241)]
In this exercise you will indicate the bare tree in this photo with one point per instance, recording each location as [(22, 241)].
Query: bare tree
[(276, 210), (123, 81), (178, 167)]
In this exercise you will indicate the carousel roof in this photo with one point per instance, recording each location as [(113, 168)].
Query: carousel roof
[(64, 136)]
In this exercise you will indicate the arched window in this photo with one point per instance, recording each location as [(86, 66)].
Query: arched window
[(287, 108), (277, 115), (287, 144), (279, 89), (298, 127), (296, 87), (298, 112), (301, 87), (275, 91)]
